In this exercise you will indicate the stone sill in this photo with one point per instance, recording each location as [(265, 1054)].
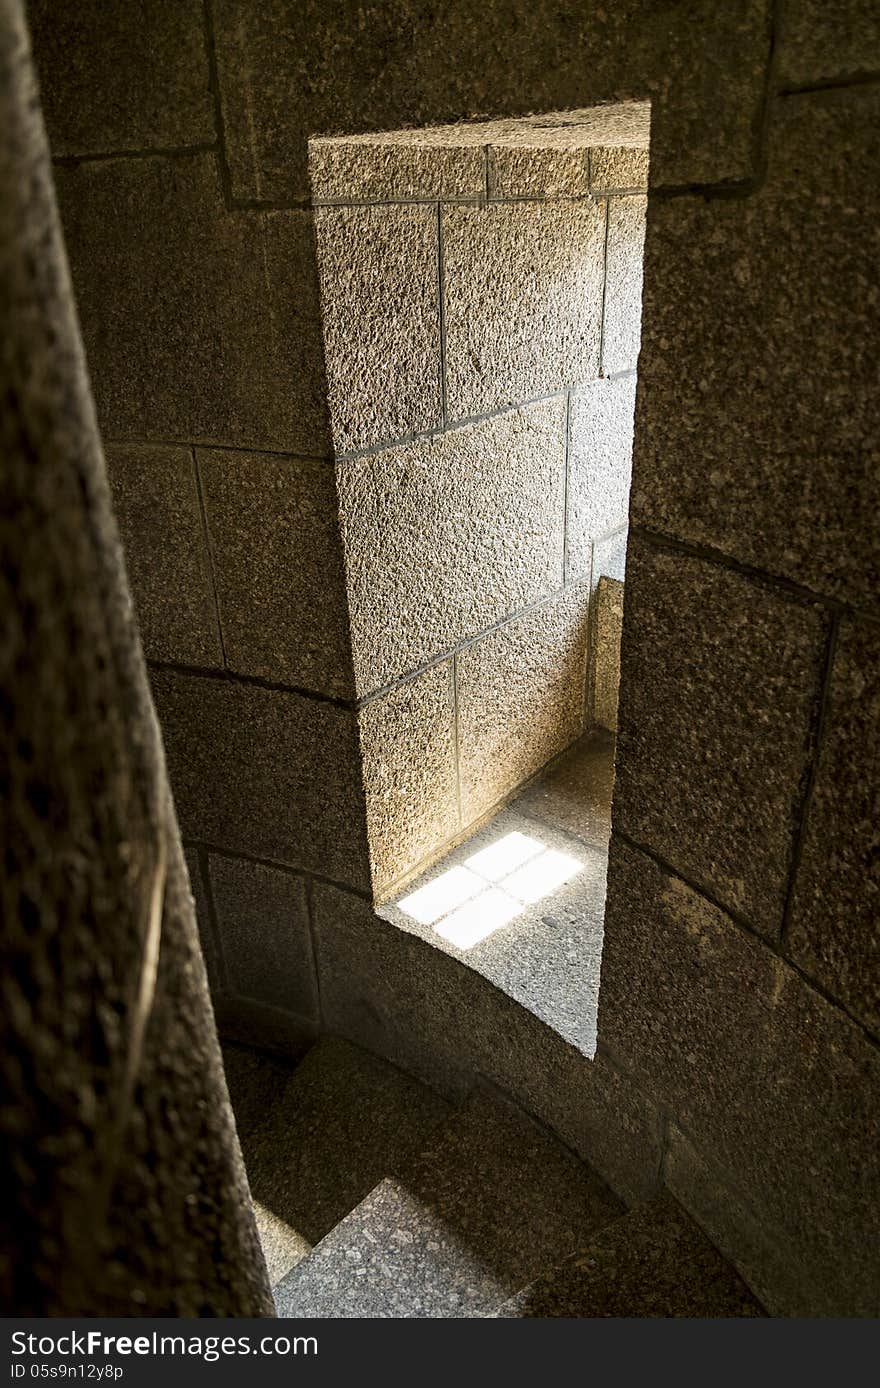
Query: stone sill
[(547, 955)]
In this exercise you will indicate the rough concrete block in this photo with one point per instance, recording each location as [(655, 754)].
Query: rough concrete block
[(519, 171), (606, 630), (821, 42), (750, 301), (522, 294), (618, 168), (370, 170), (273, 524), (199, 324), (122, 77), (156, 501), (720, 680), (761, 1072), (599, 466), (263, 922), (469, 526), (622, 319), (397, 995), (264, 772), (520, 698), (381, 319), (410, 777), (609, 557), (287, 71), (833, 931), (207, 939)]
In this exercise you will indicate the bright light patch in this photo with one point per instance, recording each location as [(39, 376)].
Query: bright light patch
[(478, 918), (541, 876), (444, 894), (503, 857)]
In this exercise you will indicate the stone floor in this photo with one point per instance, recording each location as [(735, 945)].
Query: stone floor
[(523, 900)]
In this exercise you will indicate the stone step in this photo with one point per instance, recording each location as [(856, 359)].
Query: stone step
[(653, 1262), (489, 1201), (317, 1139)]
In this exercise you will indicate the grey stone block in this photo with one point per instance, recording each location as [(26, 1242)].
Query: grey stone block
[(265, 772), (534, 930), (599, 466), (270, 1029), (381, 321), (467, 527), (277, 555), (522, 294), (325, 1135), (211, 329), (392, 992), (820, 42), (156, 502), (622, 317), (739, 413), (609, 557), (130, 77), (520, 699), (833, 931), (373, 170), (606, 629), (618, 168), (520, 171), (575, 793), (720, 680), (207, 938), (287, 71), (653, 1262), (445, 1238), (410, 778), (263, 923), (778, 1087)]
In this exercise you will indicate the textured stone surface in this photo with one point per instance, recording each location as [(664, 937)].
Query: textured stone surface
[(409, 770), (541, 937), (609, 557), (156, 502), (522, 295), (605, 631), (599, 466), (123, 77), (622, 317), (118, 1157), (207, 937), (381, 321), (278, 568), (252, 1023), (821, 42), (518, 171), (575, 793), (468, 527), (263, 923), (836, 905), (652, 1262), (326, 1134), (288, 70), (720, 679), (458, 1228), (373, 170), (264, 772), (748, 440), (211, 331), (761, 1072), (520, 698), (619, 168)]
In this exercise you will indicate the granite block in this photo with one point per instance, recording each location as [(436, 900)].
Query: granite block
[(605, 633), (523, 171), (622, 316), (599, 466), (822, 43), (618, 168), (372, 170)]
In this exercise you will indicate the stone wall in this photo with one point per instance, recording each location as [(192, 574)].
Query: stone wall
[(480, 295), (739, 1000)]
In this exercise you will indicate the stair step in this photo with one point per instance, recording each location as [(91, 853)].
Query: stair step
[(489, 1201), (329, 1131), (653, 1262)]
